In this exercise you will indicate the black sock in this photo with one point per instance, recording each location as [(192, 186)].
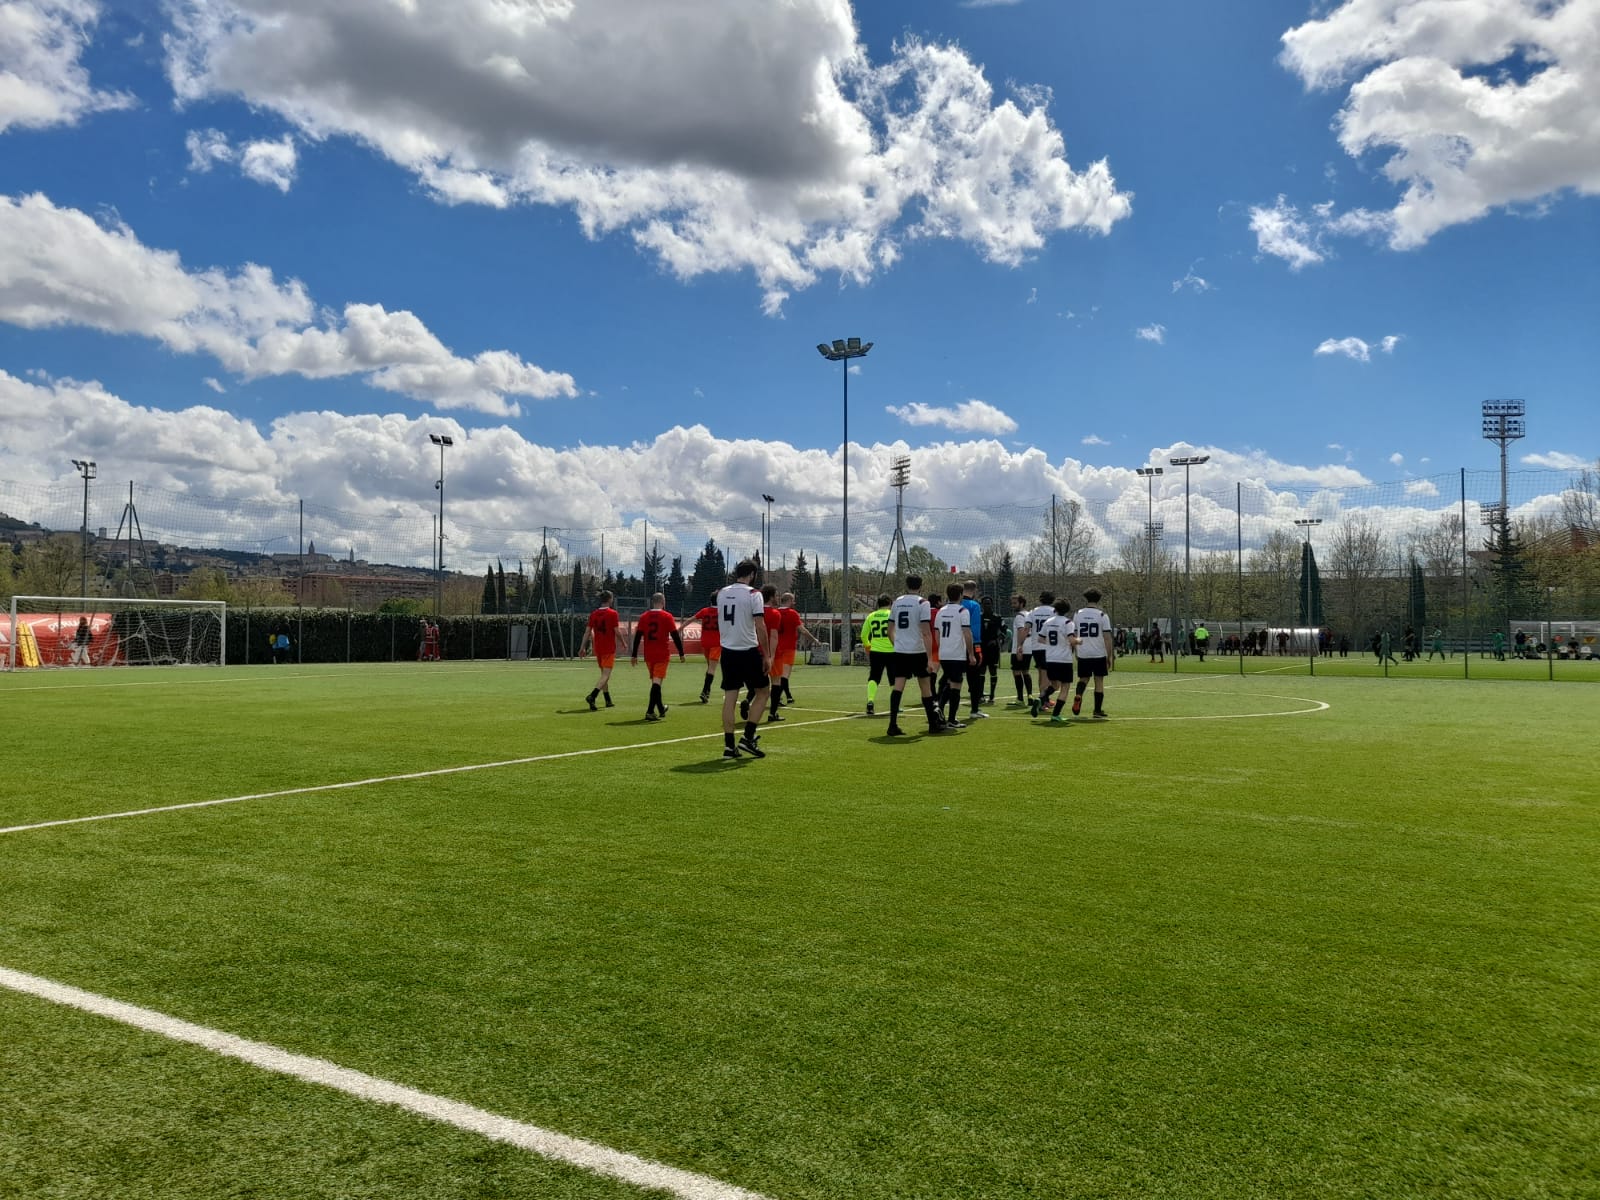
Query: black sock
[(1099, 701), (1080, 691), (727, 740), (931, 712), (706, 690), (607, 695), (894, 707), (1018, 681), (1027, 682), (592, 695), (655, 697), (750, 730), (1061, 702)]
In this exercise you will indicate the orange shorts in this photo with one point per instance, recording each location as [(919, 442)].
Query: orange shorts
[(713, 653), (606, 660), (782, 661), (657, 667)]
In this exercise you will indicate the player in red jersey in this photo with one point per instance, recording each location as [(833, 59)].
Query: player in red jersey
[(790, 627), (773, 620), (601, 637), (655, 630), (710, 646)]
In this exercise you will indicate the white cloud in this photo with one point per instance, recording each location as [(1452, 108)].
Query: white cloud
[(1095, 440), (1421, 487), (377, 471), (42, 82), (272, 163), (1334, 446), (59, 267), (1480, 104), (1191, 281), (1033, 295), (1350, 347), (214, 384), (1397, 459), (1356, 348), (970, 416), (1283, 233), (1152, 333), (1558, 460), (805, 159)]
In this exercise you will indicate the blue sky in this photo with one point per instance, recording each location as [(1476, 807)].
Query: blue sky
[(256, 251)]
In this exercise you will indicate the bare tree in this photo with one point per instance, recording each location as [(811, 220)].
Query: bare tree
[(1066, 546), (1580, 503), (1358, 564), (1271, 574)]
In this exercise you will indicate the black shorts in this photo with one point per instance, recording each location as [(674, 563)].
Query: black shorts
[(1093, 668), (954, 669), (908, 666), (743, 669), (878, 661), (1059, 672), (1038, 659), (991, 655), (1019, 662)]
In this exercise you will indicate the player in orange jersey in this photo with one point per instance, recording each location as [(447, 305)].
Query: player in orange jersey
[(654, 631), (710, 646), (601, 637), (790, 627)]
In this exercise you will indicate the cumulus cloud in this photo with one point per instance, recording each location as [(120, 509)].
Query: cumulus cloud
[(805, 158), (1095, 440), (42, 81), (1152, 333), (367, 481), (1356, 348), (272, 163), (214, 384), (60, 267), (970, 416), (1558, 460), (1479, 104), (1283, 233), (1397, 458), (1422, 487)]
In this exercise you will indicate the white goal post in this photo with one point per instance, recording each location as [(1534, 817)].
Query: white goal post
[(114, 631)]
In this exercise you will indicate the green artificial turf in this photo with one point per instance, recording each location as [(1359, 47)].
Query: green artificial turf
[(1196, 950)]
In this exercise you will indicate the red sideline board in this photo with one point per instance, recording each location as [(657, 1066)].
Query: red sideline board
[(53, 633)]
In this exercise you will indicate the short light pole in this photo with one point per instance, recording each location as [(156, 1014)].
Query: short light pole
[(1151, 531), (842, 351), (441, 440), (1192, 460), (766, 554), (1306, 525), (86, 468)]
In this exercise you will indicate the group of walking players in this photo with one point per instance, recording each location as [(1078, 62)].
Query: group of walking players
[(946, 644)]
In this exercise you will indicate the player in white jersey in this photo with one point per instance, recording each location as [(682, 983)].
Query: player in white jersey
[(747, 652), (1094, 653), (911, 626), (1059, 636), (1037, 616), (953, 622), (1020, 630)]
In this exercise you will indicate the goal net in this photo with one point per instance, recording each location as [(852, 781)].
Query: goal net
[(70, 631)]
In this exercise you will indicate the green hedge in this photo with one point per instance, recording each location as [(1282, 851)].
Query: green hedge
[(336, 635)]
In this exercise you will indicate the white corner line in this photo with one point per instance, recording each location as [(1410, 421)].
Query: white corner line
[(358, 783), (558, 1147)]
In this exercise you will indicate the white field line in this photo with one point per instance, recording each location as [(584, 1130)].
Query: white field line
[(558, 1147), (433, 774)]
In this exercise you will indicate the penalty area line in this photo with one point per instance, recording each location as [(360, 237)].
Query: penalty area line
[(547, 1143), (401, 778)]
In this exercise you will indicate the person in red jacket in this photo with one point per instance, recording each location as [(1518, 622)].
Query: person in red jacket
[(657, 632)]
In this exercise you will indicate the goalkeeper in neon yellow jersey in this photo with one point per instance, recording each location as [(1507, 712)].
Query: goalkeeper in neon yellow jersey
[(876, 637)]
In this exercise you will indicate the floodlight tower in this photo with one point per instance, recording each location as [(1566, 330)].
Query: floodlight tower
[(842, 351), (1152, 528), (86, 468), (1503, 424), (1192, 460), (899, 480), (766, 553), (1306, 525), (441, 440)]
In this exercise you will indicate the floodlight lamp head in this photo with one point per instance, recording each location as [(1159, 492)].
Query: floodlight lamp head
[(768, 499), (1192, 460), (853, 343), (838, 346), (824, 350)]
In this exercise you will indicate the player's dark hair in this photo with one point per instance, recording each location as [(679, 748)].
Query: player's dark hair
[(1092, 595), (745, 569), (769, 591), (606, 597), (1020, 600), (1047, 597), (1063, 607), (913, 583), (953, 591), (883, 600)]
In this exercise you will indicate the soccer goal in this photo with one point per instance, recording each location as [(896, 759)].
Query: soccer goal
[(71, 631)]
